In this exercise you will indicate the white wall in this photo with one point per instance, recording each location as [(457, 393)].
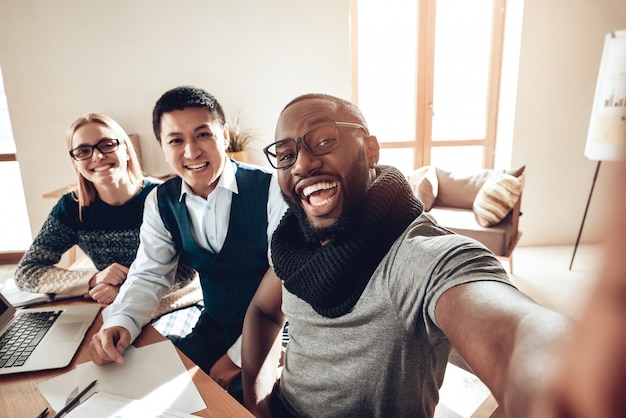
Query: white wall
[(65, 57), (561, 48)]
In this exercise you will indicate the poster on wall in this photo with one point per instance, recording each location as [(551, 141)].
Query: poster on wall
[(607, 127)]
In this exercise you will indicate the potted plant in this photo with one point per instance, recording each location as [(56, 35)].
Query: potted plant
[(239, 141)]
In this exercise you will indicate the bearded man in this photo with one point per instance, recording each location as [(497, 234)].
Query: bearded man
[(375, 292)]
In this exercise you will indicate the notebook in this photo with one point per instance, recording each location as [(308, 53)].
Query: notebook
[(50, 348), (20, 298)]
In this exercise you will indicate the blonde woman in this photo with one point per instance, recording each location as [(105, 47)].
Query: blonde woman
[(102, 217)]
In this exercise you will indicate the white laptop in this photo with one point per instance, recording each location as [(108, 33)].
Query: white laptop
[(58, 345)]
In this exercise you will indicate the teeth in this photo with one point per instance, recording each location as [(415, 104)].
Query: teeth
[(196, 166), (323, 202), (324, 185), (102, 168)]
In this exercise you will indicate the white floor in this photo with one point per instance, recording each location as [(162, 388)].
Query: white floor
[(543, 274)]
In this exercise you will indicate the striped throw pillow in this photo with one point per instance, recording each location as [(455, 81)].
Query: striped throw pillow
[(496, 198)]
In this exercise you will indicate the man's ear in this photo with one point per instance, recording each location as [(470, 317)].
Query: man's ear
[(372, 151)]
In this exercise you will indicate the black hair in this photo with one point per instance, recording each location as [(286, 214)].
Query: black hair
[(182, 97)]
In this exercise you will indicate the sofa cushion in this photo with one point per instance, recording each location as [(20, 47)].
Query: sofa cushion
[(424, 183), (496, 198), (463, 221), (458, 188)]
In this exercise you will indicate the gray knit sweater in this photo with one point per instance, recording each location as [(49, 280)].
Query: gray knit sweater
[(107, 234)]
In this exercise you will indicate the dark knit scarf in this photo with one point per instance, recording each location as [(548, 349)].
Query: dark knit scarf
[(332, 277)]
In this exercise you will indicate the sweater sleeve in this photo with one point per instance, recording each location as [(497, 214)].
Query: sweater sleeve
[(184, 293), (37, 271)]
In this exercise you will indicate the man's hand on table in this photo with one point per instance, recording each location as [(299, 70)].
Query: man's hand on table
[(224, 371), (108, 345)]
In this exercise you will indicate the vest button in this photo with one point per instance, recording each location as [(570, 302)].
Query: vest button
[(229, 293)]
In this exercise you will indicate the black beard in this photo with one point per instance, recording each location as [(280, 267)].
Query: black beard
[(355, 191)]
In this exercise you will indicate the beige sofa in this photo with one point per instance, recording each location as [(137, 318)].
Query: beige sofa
[(482, 204)]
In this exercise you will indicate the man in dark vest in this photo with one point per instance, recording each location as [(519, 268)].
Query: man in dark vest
[(217, 215)]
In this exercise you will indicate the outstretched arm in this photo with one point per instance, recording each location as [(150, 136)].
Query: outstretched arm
[(592, 373), (261, 345), (592, 370), (508, 341)]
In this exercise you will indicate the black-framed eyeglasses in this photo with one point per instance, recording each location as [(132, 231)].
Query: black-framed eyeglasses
[(318, 141), (106, 146)]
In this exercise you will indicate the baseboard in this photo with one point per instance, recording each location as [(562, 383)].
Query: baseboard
[(11, 258)]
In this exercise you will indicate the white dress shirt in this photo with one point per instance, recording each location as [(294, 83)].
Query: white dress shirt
[(152, 273)]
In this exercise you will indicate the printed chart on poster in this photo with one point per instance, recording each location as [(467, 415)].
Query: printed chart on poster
[(607, 127)]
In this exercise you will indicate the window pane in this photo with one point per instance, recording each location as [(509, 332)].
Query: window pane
[(14, 224), (7, 146), (387, 45), (15, 234), (457, 157), (401, 158), (462, 53)]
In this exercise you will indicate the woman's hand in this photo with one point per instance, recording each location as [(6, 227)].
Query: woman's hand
[(105, 285), (103, 293)]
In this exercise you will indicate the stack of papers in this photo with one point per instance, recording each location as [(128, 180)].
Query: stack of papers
[(153, 375), (105, 405)]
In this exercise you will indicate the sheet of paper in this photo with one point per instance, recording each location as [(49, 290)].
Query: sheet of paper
[(106, 405), (153, 373)]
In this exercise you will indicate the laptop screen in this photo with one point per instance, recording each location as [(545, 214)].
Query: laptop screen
[(6, 311), (3, 306)]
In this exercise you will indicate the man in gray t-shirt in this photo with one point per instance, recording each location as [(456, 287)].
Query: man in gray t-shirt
[(375, 292)]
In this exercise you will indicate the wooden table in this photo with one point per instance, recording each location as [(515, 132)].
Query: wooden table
[(20, 397)]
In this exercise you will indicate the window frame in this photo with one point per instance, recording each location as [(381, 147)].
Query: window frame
[(423, 144)]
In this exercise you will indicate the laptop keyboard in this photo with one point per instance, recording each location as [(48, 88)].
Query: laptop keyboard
[(21, 338)]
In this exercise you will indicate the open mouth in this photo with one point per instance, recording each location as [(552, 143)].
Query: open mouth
[(102, 168), (194, 167), (320, 194)]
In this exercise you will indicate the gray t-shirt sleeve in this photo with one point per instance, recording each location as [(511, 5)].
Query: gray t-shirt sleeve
[(430, 261)]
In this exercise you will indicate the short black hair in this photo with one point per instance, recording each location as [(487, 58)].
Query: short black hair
[(341, 104), (182, 97)]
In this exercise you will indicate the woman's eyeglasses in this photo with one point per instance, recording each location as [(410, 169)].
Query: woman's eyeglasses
[(106, 146)]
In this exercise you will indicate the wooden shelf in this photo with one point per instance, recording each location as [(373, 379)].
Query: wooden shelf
[(56, 194)]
